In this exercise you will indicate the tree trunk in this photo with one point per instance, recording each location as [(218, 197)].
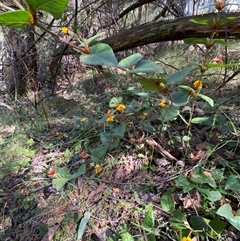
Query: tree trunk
[(20, 62), (171, 30)]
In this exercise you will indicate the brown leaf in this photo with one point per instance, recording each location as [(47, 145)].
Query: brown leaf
[(196, 156), (50, 234), (192, 201), (201, 146), (229, 155), (207, 174), (95, 192), (214, 139)]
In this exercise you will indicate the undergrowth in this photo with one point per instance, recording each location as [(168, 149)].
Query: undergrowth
[(144, 157)]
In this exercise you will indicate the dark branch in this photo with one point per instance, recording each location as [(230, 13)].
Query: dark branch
[(171, 30)]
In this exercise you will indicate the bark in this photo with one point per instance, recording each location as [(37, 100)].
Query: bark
[(20, 61), (171, 30)]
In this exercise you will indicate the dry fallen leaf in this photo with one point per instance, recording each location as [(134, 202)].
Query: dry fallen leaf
[(229, 155), (95, 192), (207, 174), (193, 201), (196, 156), (50, 234)]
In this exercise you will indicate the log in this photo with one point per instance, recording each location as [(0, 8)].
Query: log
[(172, 30)]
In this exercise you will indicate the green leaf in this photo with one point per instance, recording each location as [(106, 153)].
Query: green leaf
[(198, 176), (208, 99), (220, 41), (81, 170), (197, 223), (120, 130), (60, 182), (209, 66), (146, 66), (180, 98), (149, 220), (202, 20), (115, 101), (235, 221), (30, 141), (92, 39), (54, 7), (25, 161), (100, 54), (99, 153), (83, 224), (179, 76), (130, 61), (178, 220), (63, 172), (233, 183), (199, 120), (169, 113), (184, 184), (225, 211), (195, 41), (133, 107), (126, 236), (214, 196), (222, 21), (151, 84), (15, 19), (167, 201), (67, 155), (217, 225), (106, 138)]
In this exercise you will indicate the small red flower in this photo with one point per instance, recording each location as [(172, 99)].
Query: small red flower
[(52, 172), (83, 155), (218, 59)]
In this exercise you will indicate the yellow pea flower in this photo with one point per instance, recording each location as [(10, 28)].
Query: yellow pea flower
[(120, 107), (162, 103), (98, 169), (110, 119), (65, 30), (198, 84), (186, 239), (109, 112), (84, 119)]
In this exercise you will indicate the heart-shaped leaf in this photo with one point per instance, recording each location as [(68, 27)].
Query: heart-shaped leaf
[(130, 60), (100, 54), (152, 84), (146, 66), (15, 19), (179, 76), (54, 7)]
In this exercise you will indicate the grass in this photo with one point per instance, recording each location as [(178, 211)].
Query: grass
[(140, 191)]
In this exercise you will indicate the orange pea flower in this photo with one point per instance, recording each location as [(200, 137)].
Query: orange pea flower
[(162, 103), (120, 107), (198, 84), (110, 119)]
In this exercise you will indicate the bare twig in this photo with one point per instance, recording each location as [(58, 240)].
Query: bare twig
[(161, 150)]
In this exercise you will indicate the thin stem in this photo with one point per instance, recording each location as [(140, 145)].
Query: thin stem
[(6, 7), (18, 4), (59, 38)]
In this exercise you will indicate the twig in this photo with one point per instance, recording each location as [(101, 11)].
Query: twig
[(161, 150)]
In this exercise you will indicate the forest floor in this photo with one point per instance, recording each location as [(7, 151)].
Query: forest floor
[(137, 180)]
